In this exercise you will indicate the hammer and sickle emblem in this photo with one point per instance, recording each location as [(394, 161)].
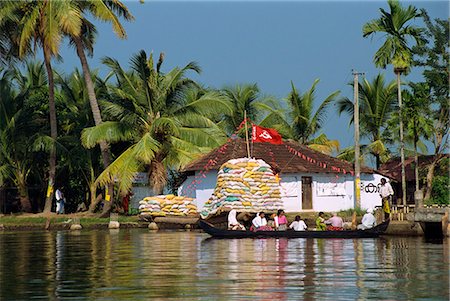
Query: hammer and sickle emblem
[(265, 135)]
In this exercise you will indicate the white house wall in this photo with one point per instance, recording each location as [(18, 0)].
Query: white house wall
[(291, 191), (200, 191), (370, 190)]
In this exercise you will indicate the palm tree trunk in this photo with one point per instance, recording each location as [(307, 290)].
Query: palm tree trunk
[(23, 193), (53, 132), (416, 158), (95, 110), (430, 175), (402, 144), (377, 161), (418, 198)]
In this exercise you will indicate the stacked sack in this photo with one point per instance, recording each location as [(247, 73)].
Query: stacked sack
[(247, 185), (167, 205)]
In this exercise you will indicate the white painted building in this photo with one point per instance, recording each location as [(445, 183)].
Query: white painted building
[(305, 186), (327, 192)]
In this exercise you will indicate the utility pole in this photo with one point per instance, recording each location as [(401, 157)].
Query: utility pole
[(357, 151)]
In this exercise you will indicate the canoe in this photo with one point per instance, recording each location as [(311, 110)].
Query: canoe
[(220, 233)]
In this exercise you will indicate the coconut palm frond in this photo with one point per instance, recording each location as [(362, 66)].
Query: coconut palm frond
[(324, 145), (110, 11), (318, 118), (202, 137), (146, 148), (123, 168), (46, 143), (208, 104), (5, 173), (109, 131)]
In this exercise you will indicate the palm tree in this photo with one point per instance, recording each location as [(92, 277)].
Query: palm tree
[(43, 23), (19, 126), (105, 11), (242, 98), (395, 51), (434, 57), (77, 160), (418, 122), (377, 103), (163, 118), (301, 122), (419, 119)]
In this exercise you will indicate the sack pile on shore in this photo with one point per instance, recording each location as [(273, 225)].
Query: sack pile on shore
[(244, 184), (167, 205)]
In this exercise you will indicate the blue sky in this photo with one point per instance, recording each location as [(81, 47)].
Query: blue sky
[(263, 42)]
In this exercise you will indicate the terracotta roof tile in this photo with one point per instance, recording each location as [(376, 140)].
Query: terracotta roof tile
[(276, 155), (393, 167)]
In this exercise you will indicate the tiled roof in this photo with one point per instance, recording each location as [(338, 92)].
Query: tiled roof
[(278, 156), (393, 167)]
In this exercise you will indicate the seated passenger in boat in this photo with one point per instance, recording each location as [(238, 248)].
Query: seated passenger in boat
[(335, 223), (320, 222), (298, 224), (281, 221), (233, 223), (271, 221), (259, 223), (368, 220)]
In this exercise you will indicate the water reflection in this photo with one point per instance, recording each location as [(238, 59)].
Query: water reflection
[(138, 265)]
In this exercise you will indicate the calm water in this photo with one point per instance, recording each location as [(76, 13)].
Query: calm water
[(139, 265)]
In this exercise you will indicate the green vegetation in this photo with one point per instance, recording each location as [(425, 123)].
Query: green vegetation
[(440, 192), (142, 119), (18, 220), (376, 109)]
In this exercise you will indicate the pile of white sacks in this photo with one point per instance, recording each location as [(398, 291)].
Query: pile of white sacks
[(247, 185), (167, 205)]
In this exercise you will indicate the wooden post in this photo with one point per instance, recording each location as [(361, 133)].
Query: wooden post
[(246, 134), (354, 223), (357, 181)]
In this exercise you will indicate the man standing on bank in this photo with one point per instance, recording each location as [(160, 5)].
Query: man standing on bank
[(386, 194)]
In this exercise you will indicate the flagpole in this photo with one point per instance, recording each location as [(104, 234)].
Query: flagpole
[(251, 148), (246, 134)]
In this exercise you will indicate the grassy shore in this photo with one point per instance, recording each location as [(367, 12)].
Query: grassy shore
[(62, 222), (53, 221)]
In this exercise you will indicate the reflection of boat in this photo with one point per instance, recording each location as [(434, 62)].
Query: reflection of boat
[(220, 233)]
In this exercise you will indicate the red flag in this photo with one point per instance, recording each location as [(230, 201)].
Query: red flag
[(260, 134)]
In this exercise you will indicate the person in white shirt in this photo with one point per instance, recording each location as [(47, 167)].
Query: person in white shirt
[(368, 220), (259, 223), (233, 223), (298, 224), (386, 194)]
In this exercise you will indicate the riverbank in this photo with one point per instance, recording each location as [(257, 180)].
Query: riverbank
[(63, 222), (52, 221)]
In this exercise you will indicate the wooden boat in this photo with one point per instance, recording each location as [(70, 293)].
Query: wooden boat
[(220, 233)]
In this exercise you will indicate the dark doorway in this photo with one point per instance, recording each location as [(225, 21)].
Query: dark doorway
[(306, 193)]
